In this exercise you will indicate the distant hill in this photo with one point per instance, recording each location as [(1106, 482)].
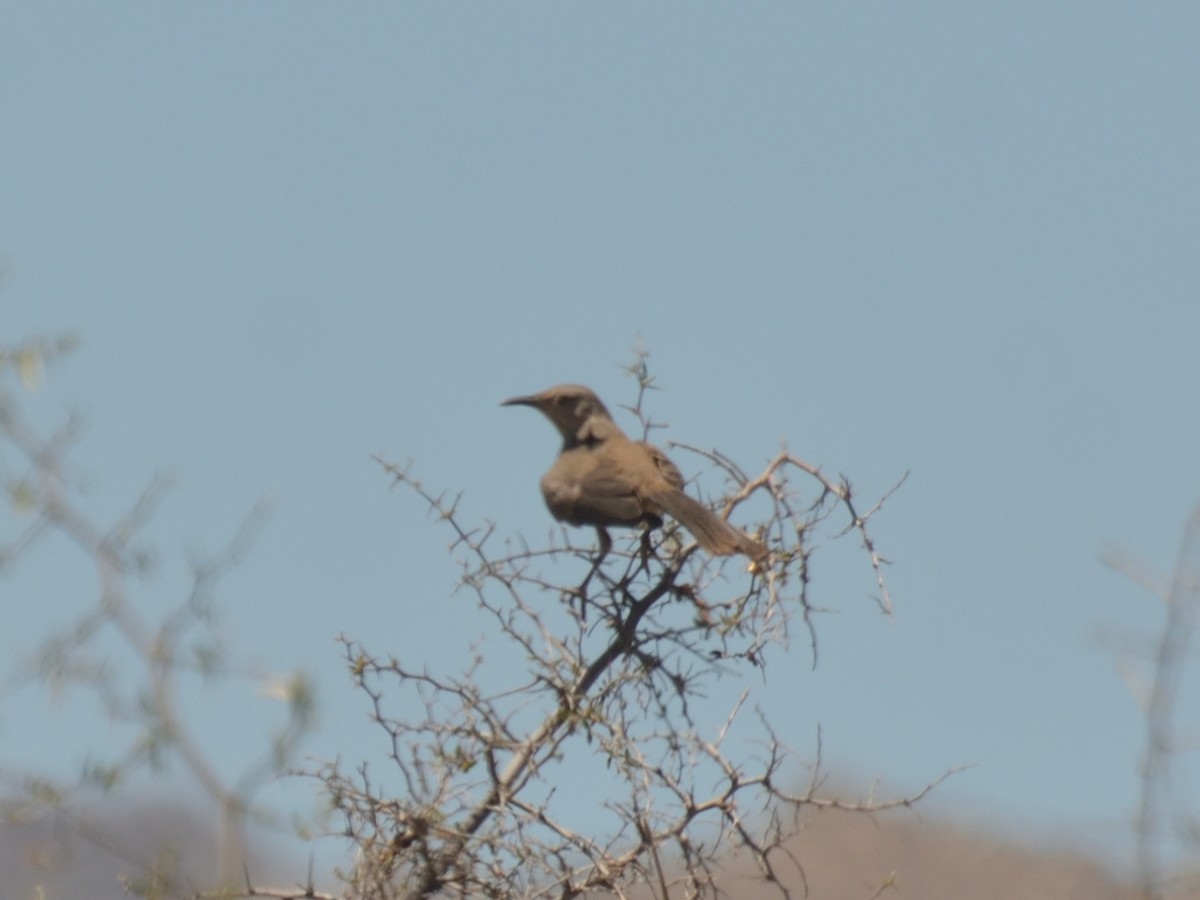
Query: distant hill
[(853, 857), (845, 857)]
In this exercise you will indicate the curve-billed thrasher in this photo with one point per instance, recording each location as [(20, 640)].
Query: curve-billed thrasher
[(603, 478)]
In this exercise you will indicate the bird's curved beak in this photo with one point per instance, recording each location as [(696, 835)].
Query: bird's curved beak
[(529, 400)]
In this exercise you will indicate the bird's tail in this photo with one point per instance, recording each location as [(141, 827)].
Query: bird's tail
[(712, 532)]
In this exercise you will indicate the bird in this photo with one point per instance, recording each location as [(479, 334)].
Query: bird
[(602, 478)]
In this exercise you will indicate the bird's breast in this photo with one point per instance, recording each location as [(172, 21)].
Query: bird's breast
[(561, 494)]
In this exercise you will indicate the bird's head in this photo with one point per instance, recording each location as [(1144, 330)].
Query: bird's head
[(571, 407)]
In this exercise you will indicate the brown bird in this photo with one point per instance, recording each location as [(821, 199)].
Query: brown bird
[(603, 478)]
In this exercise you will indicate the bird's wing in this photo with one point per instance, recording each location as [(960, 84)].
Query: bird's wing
[(666, 468)]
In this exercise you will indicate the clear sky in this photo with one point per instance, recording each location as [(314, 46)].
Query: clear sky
[(956, 239)]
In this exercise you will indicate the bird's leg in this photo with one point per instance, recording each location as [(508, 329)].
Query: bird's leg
[(605, 542), (605, 546), (647, 551), (647, 545)]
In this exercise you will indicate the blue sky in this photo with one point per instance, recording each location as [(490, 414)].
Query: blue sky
[(941, 238)]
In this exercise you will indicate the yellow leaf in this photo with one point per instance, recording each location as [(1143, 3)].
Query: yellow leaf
[(23, 499), (30, 368)]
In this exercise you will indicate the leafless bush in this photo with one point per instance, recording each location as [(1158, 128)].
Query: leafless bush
[(617, 662), (1166, 823), (169, 643)]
